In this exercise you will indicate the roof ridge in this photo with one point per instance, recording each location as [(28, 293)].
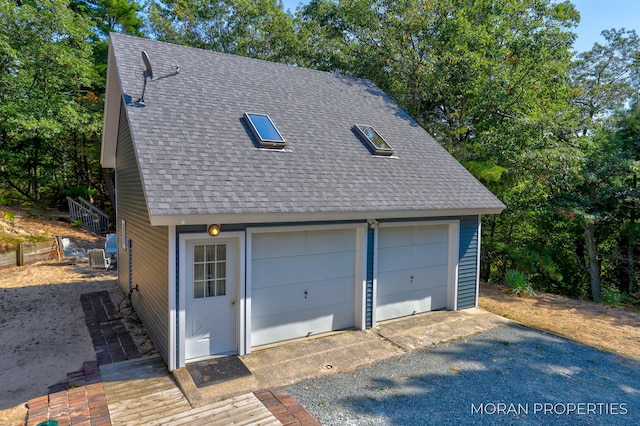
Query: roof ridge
[(241, 57)]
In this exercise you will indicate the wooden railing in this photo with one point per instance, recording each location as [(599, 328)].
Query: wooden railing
[(92, 218)]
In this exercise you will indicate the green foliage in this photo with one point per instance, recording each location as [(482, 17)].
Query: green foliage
[(260, 29), (613, 297), (111, 16), (517, 284), (77, 223), (46, 72)]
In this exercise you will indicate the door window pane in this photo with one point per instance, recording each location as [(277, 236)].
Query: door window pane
[(209, 270), (198, 253), (221, 288), (198, 290)]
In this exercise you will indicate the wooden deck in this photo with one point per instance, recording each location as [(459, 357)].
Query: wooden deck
[(142, 391)]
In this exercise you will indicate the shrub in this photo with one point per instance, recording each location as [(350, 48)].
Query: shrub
[(613, 297), (517, 284), (77, 223)]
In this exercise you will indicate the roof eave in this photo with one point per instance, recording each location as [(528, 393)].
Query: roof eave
[(244, 218), (113, 97)]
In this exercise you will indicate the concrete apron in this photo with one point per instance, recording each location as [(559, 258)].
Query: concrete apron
[(286, 363)]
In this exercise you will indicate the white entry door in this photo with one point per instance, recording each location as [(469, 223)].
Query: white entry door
[(211, 298)]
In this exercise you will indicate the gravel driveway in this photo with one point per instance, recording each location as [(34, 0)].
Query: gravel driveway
[(509, 375)]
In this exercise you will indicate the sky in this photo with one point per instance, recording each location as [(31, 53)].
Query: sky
[(595, 16)]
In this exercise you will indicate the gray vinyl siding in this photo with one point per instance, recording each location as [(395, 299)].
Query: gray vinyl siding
[(468, 262), (149, 245)]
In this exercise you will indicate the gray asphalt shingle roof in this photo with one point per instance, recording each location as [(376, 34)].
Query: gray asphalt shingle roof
[(197, 156)]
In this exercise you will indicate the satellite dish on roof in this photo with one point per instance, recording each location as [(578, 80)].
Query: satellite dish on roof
[(149, 71), (147, 74)]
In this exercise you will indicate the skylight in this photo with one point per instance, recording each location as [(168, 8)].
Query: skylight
[(374, 140), (264, 130)]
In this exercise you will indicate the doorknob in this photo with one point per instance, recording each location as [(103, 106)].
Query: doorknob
[(233, 303)]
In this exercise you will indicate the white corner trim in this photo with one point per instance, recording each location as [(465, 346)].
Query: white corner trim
[(172, 364), (454, 263)]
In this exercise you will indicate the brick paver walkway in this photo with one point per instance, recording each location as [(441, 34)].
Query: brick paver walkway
[(111, 339), (285, 408), (80, 400)]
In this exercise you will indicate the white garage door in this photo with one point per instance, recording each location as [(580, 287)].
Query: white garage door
[(302, 283), (412, 270)]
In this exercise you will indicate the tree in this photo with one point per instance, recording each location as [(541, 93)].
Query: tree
[(606, 79), (259, 29), (111, 16), (45, 68), (489, 80), (107, 16)]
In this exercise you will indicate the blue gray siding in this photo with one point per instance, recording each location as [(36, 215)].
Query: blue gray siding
[(468, 262), (369, 289), (149, 252)]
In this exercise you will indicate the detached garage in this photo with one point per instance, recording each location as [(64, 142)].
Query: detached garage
[(259, 202)]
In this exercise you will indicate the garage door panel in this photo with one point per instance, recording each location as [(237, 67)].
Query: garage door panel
[(284, 266), (319, 293), (412, 270), (292, 325), (403, 304), (397, 258), (423, 278), (294, 269), (285, 244), (410, 235)]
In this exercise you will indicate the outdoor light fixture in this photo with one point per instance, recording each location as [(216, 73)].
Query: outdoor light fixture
[(213, 230)]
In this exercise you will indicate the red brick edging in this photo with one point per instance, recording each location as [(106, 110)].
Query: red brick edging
[(285, 408), (82, 405), (78, 401)]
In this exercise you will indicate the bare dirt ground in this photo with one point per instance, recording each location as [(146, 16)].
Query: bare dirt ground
[(612, 329), (43, 335)]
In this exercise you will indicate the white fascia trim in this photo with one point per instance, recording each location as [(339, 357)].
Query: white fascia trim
[(313, 217), (112, 100), (182, 315)]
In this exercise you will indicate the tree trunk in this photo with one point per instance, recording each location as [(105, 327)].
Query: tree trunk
[(631, 268), (594, 268), (486, 256), (112, 193)]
